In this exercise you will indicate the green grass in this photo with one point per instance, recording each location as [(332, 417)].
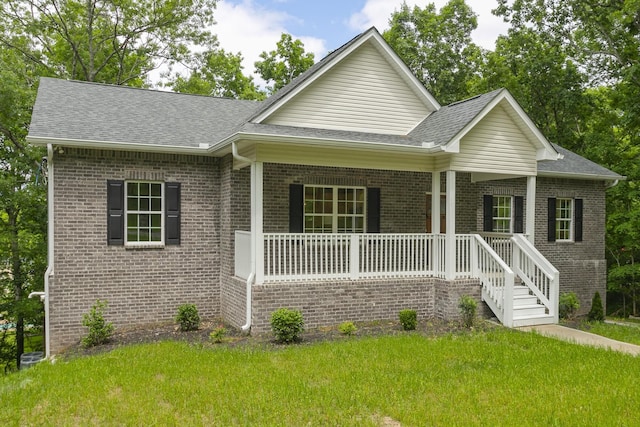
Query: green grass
[(500, 377), (630, 334)]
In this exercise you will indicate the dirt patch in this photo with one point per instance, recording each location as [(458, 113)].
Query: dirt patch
[(235, 337)]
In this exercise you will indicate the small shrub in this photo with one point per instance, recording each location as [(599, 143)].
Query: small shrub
[(218, 334), (408, 319), (99, 329), (287, 325), (596, 314), (468, 307), (568, 306), (188, 317), (347, 328)]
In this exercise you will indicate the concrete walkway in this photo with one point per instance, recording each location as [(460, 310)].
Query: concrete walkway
[(582, 337)]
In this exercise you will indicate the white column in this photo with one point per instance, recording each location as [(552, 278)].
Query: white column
[(450, 261), (435, 202), (531, 209), (435, 220), (257, 239)]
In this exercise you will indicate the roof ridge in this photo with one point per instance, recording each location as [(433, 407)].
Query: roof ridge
[(146, 90)]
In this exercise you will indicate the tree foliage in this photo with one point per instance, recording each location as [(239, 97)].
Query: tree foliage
[(437, 47), (217, 73), (282, 65), (109, 41)]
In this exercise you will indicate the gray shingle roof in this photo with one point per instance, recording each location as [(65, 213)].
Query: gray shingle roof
[(442, 125), (573, 164), (97, 112)]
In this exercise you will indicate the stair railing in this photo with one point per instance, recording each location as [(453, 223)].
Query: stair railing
[(537, 273), (497, 280)]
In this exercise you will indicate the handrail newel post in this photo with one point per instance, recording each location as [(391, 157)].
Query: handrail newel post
[(354, 257)]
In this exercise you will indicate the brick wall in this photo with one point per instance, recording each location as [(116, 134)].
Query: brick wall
[(141, 285), (403, 194), (331, 303), (582, 265)]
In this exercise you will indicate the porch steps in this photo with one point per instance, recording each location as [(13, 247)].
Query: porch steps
[(527, 310)]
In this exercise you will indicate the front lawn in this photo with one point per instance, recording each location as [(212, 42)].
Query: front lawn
[(630, 334), (498, 377)]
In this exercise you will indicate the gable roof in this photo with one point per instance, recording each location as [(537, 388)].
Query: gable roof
[(332, 59), (118, 115)]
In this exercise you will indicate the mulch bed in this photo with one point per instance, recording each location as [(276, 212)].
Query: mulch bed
[(236, 338)]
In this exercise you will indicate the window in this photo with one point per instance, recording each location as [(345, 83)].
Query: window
[(334, 209), (501, 214), (564, 219), (144, 212)]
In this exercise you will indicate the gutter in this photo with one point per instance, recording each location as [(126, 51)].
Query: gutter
[(114, 145), (44, 296), (247, 326)]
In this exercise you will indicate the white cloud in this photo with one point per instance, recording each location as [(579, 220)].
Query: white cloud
[(377, 13), (250, 28)]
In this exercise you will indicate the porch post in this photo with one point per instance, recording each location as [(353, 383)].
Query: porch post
[(435, 222), (531, 209), (257, 244), (450, 257), (435, 202)]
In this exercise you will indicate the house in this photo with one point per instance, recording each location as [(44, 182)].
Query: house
[(350, 194)]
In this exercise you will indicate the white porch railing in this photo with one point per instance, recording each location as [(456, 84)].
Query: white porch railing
[(497, 280), (537, 273), (306, 256)]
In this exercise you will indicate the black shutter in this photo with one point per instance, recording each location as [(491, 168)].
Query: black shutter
[(518, 216), (487, 213), (373, 210), (577, 231), (172, 213), (296, 208), (115, 212), (551, 220)]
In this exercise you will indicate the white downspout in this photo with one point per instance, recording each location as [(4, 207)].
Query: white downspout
[(252, 275), (44, 296)]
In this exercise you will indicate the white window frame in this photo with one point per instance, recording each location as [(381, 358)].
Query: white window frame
[(568, 220), (334, 215), (495, 218), (138, 212)]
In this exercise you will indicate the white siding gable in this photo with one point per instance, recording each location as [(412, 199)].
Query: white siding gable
[(496, 145), (362, 93)]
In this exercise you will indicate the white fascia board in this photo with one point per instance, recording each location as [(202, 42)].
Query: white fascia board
[(381, 43), (482, 177), (583, 176), (120, 146), (221, 147), (545, 150)]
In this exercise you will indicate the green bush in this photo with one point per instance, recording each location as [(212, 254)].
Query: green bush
[(468, 307), (568, 306), (99, 329), (596, 314), (347, 328), (218, 334), (188, 317), (408, 319), (287, 325)]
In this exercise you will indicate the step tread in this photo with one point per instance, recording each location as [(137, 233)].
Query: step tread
[(533, 316)]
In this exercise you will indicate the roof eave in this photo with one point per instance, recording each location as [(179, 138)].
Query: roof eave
[(582, 176), (223, 146), (115, 145)]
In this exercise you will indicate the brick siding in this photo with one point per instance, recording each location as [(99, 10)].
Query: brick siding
[(141, 285)]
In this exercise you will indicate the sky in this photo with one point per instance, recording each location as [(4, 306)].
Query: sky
[(254, 26)]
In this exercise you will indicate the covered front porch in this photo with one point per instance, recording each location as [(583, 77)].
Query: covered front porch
[(517, 283)]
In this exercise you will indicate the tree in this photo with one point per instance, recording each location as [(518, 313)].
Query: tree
[(437, 47), (109, 41), (282, 65), (217, 73), (22, 202)]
